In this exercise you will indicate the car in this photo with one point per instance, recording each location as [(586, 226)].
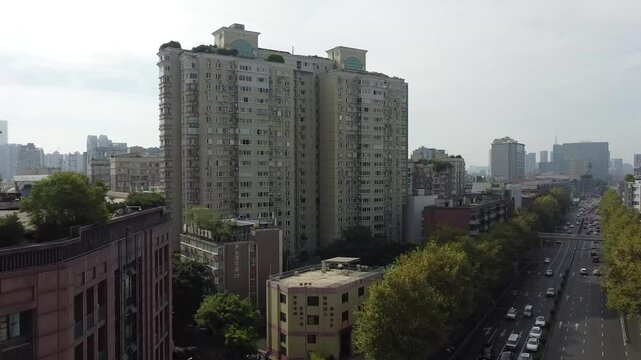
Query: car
[(572, 226), (511, 313), (594, 252), (487, 352), (594, 245), (525, 356), (565, 228), (536, 332), (567, 223), (558, 241), (596, 272), (583, 271), (506, 355), (569, 231), (532, 344), (527, 311), (546, 260), (550, 292), (549, 272), (540, 321), (513, 341), (595, 259)]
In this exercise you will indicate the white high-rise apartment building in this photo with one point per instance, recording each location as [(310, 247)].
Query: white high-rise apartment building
[(507, 159), (317, 144)]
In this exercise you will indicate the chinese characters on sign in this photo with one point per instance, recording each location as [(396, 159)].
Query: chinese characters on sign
[(236, 261)]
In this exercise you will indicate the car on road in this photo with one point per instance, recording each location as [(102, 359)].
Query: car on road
[(546, 260), (558, 241), (487, 352), (595, 259), (536, 332), (513, 341), (550, 292), (594, 245), (506, 355), (549, 272), (583, 271), (511, 313), (527, 311), (532, 344), (596, 272), (594, 252), (525, 356), (540, 321)]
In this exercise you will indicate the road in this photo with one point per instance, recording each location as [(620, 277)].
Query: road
[(582, 328)]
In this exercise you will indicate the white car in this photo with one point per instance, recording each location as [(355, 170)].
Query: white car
[(549, 272), (536, 332), (550, 292), (532, 344), (540, 321), (511, 314), (546, 260), (596, 272), (583, 271), (525, 356)]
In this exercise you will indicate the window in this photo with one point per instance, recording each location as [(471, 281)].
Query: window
[(361, 291), (283, 338), (345, 316), (345, 297), (283, 317), (312, 320), (312, 301), (311, 339)]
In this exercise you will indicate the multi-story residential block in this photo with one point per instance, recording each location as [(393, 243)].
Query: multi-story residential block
[(312, 308), (8, 161), (317, 143), (100, 169), (241, 262), (424, 153), (53, 160), (595, 155), (134, 173), (4, 132), (530, 163), (74, 162), (30, 160), (101, 148), (103, 293), (630, 192), (543, 156), (442, 175), (473, 217), (507, 159)]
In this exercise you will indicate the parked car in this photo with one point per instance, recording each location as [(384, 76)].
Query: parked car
[(536, 332), (525, 356), (527, 311), (513, 341), (487, 352), (540, 321), (532, 344), (506, 355), (511, 313)]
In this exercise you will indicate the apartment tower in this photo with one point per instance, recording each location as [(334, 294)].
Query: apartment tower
[(309, 142)]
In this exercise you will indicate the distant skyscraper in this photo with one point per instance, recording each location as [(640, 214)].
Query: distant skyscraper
[(507, 159), (595, 155), (31, 160), (4, 132), (617, 169), (530, 162), (637, 164), (543, 157)]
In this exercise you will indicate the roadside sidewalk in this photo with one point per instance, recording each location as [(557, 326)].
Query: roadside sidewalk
[(634, 337)]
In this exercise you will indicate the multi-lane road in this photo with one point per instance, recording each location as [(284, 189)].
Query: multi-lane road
[(582, 327)]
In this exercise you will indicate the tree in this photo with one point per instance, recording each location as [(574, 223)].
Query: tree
[(170, 44), (191, 282), (11, 230), (548, 211), (207, 219), (209, 49), (145, 200), (275, 58), (358, 241), (62, 200), (232, 320), (628, 178)]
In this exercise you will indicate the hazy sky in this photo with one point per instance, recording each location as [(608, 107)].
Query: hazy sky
[(477, 70)]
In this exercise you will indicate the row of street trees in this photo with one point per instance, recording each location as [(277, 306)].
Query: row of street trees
[(428, 294), (622, 242)]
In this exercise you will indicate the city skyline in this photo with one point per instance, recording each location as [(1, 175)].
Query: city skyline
[(531, 58)]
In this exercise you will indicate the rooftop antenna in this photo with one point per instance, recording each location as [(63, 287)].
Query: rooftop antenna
[(556, 142), (292, 49)]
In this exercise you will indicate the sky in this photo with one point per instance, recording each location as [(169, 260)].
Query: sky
[(477, 70)]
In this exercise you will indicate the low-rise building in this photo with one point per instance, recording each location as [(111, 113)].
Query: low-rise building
[(135, 172), (475, 217), (241, 262), (100, 169), (630, 193), (312, 308), (103, 293)]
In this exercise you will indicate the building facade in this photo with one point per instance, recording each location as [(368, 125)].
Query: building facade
[(103, 294), (134, 173), (507, 159), (258, 134), (102, 148), (475, 218), (30, 160), (312, 308), (543, 156), (530, 163), (242, 262), (595, 156), (100, 169)]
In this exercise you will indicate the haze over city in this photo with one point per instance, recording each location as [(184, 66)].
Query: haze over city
[(526, 70)]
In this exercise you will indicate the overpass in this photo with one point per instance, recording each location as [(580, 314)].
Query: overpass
[(561, 236)]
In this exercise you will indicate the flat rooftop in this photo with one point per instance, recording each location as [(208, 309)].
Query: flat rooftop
[(334, 272)]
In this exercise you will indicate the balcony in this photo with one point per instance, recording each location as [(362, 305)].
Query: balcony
[(18, 352), (90, 321)]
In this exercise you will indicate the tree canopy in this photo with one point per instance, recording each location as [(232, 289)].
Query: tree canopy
[(628, 178), (145, 200), (191, 282), (622, 243), (276, 58), (170, 44), (207, 219), (232, 320), (11, 230), (62, 200)]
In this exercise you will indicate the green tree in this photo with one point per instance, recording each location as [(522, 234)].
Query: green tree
[(11, 230), (170, 44), (358, 241), (628, 178), (209, 49), (62, 200), (191, 282), (548, 211), (275, 58), (232, 320), (207, 219), (145, 200), (562, 197)]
